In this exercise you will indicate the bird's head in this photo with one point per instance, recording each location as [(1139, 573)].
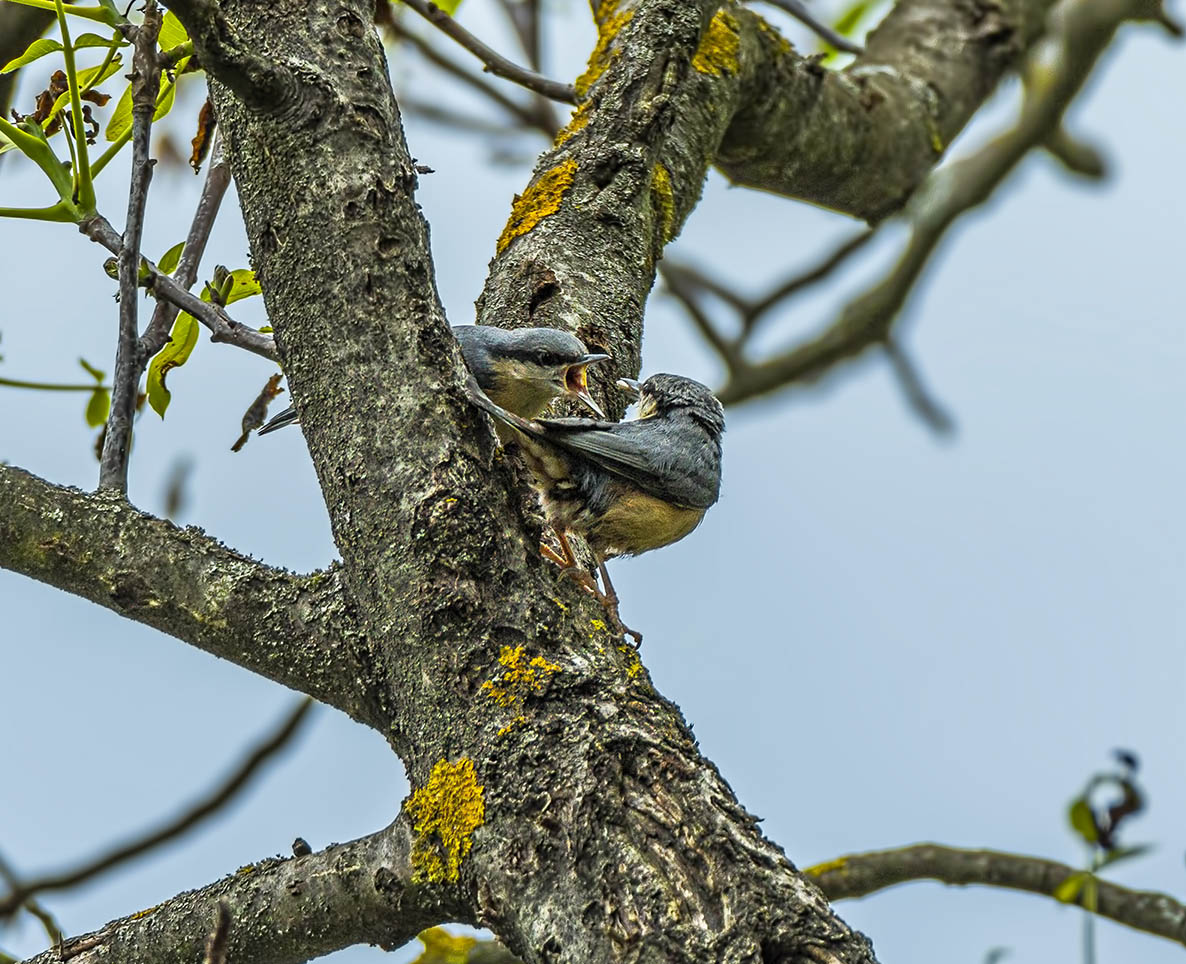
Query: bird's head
[(551, 359), (667, 394)]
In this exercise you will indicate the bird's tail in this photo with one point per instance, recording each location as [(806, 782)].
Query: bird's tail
[(287, 417)]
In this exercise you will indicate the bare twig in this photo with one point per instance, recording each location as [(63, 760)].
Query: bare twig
[(493, 61), (857, 875), (146, 78), (1080, 31), (222, 328), (798, 10), (48, 924), (681, 283), (218, 177), (222, 795), (936, 417), (797, 283), (216, 943), (525, 115)]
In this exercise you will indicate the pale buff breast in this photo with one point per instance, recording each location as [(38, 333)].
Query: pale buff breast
[(639, 522)]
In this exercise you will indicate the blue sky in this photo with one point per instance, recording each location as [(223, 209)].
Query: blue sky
[(880, 637)]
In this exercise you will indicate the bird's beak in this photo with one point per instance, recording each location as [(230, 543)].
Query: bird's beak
[(577, 385), (630, 386)]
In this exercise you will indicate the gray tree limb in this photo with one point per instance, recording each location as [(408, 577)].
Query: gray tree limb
[(295, 630), (284, 911), (857, 875)]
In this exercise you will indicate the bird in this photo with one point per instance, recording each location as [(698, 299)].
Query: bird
[(520, 369), (625, 487)]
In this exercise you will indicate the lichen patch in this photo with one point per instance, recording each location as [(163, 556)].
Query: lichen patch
[(445, 813), (719, 47), (542, 197)]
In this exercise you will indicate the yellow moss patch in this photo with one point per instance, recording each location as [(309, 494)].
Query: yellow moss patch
[(580, 117), (827, 867), (522, 677), (541, 198), (633, 663), (441, 947), (445, 812), (609, 24), (717, 53), (663, 198)]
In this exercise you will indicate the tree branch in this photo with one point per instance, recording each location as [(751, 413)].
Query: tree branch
[(129, 361), (284, 911), (218, 178), (857, 875), (798, 10), (494, 62), (214, 801), (295, 630), (222, 328), (1079, 34)]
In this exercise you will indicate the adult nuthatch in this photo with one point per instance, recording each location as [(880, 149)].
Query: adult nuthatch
[(626, 487), (520, 369)]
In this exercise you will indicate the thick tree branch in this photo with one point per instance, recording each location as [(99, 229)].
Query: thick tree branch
[(222, 328), (283, 911), (1079, 33), (129, 361), (857, 875), (21, 892), (295, 630), (494, 62)]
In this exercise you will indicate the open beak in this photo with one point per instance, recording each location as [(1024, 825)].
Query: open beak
[(577, 385), (630, 386)]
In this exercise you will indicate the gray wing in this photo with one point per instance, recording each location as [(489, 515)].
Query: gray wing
[(676, 461)]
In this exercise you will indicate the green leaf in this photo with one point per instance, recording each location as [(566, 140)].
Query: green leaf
[(1068, 890), (91, 370), (242, 285), (98, 407), (850, 19), (181, 342), (169, 260), (449, 6), (121, 117), (266, 330), (1082, 820), (1123, 853), (172, 32), (94, 40), (37, 49)]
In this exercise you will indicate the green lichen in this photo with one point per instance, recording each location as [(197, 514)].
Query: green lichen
[(719, 47), (542, 197), (445, 812), (663, 200)]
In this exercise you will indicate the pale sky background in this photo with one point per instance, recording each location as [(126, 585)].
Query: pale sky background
[(879, 637)]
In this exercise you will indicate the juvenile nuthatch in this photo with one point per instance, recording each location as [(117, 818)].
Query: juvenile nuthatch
[(520, 369), (626, 487)]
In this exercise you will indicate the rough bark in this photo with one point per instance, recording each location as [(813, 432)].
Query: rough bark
[(281, 909)]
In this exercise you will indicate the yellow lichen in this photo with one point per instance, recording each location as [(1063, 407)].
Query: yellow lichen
[(441, 947), (522, 677), (445, 812), (609, 24), (717, 53), (144, 913), (541, 198), (827, 867), (781, 42), (580, 117), (663, 199), (633, 663)]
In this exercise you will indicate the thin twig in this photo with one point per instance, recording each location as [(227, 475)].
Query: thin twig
[(681, 288), (222, 328), (798, 282), (799, 11), (48, 924), (493, 61), (857, 875), (924, 405), (146, 79), (218, 177), (174, 828), (525, 115)]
